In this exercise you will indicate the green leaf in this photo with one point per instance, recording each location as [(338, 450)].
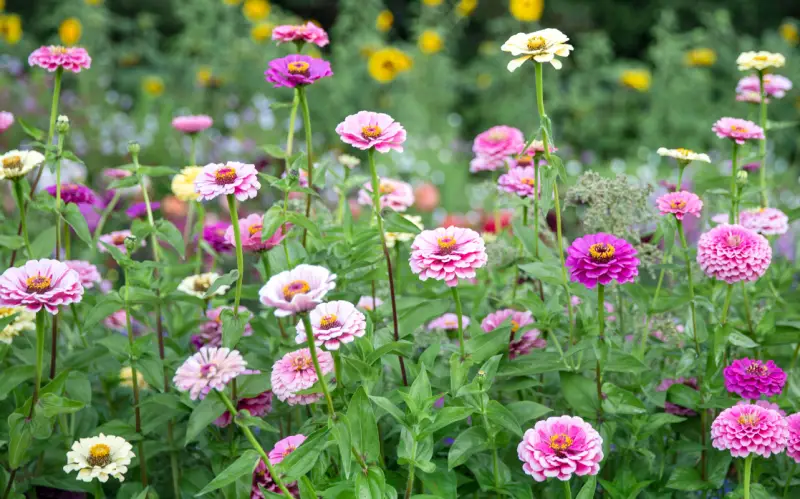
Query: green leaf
[(656, 421), (483, 346), (588, 489), (124, 182), (444, 418), (687, 479), (105, 306), (209, 409), (395, 222), (458, 372), (420, 391), (301, 220), (77, 221), (404, 348), (623, 363), (363, 426), (52, 405), (232, 327), (21, 431), (469, 442), (42, 246), (245, 465), (738, 339), (302, 459), (388, 406), (223, 280), (545, 272), (11, 242), (167, 231), (341, 434), (526, 411), (501, 416), (619, 401), (370, 485), (275, 151), (31, 130), (13, 376), (684, 396), (307, 489), (580, 393)]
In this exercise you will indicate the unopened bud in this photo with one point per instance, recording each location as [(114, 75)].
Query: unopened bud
[(130, 243), (741, 178), (134, 147), (62, 124)]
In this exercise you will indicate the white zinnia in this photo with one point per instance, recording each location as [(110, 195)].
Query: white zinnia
[(760, 60), (541, 46), (683, 154), (99, 457), (348, 161), (197, 285), (15, 163), (23, 321)]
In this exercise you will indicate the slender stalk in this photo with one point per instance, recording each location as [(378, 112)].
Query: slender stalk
[(567, 490), (290, 136), (37, 377), (135, 379), (10, 483), (748, 464), (685, 247), (681, 166), (20, 197), (734, 190), (747, 313), (762, 144), (343, 197), (727, 305), (337, 369), (491, 435), (410, 483), (536, 191), (59, 225), (459, 318), (103, 218), (789, 479), (267, 268), (601, 321), (187, 229), (239, 255), (312, 347), (307, 126), (703, 434)]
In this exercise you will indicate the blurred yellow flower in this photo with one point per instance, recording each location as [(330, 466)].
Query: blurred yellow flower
[(70, 31), (526, 10), (484, 81), (10, 28), (231, 2), (432, 3), (93, 2), (183, 183), (429, 42), (637, 79), (203, 75), (261, 32), (790, 33), (384, 21), (23, 321), (466, 7), (129, 59), (126, 378), (153, 86), (2, 4), (701, 57), (385, 64), (256, 10)]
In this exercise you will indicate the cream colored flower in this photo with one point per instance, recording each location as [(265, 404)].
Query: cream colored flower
[(348, 161), (393, 238), (183, 183), (541, 46), (760, 60), (100, 457), (23, 321), (15, 163), (197, 285), (126, 378), (683, 154)]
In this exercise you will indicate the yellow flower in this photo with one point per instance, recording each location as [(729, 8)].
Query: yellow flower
[(432, 3), (93, 2), (231, 2), (2, 4), (183, 183), (10, 28), (384, 21), (256, 10), (261, 32), (70, 31), (126, 378), (385, 64), (484, 81), (23, 321), (790, 33), (701, 57), (526, 10), (153, 86), (466, 7), (204, 75), (637, 79), (429, 42)]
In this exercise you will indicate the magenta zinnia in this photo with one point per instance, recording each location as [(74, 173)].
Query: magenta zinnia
[(793, 441), (214, 235), (520, 181), (738, 130), (40, 283), (250, 228), (297, 290), (447, 254), (210, 368), (219, 179), (559, 447), (680, 204), (601, 258), (294, 70), (751, 379), (744, 429), (295, 372), (397, 195), (333, 323), (73, 193), (365, 130), (54, 56), (732, 253), (448, 322), (258, 406)]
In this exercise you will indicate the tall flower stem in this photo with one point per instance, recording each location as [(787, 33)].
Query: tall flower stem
[(727, 305), (691, 284), (312, 347), (135, 379), (239, 255), (748, 464), (59, 226), (343, 196), (681, 166), (257, 446), (789, 479), (376, 208), (411, 467), (601, 321), (37, 377), (461, 345), (20, 197), (734, 218), (301, 92), (267, 268), (762, 144), (567, 490), (287, 164)]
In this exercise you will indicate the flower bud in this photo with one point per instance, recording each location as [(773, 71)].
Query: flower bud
[(131, 243), (134, 147), (741, 178), (62, 124)]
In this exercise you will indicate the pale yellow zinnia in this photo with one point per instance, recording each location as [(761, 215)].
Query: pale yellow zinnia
[(23, 321), (183, 183), (790, 33), (760, 60), (540, 46)]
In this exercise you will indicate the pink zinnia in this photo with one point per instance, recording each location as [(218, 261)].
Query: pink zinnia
[(308, 33), (210, 332), (261, 476), (525, 344), (250, 230), (192, 124), (774, 85), (560, 447), (210, 368), (793, 440), (116, 239), (368, 304), (447, 254), (285, 447), (297, 290), (214, 235), (601, 258), (738, 130), (333, 323), (87, 273), (520, 181), (294, 70), (745, 429), (752, 378), (488, 163), (295, 372), (257, 406), (73, 193), (498, 142), (219, 179), (448, 322), (766, 221), (40, 283), (680, 204), (733, 253), (395, 194), (766, 404), (6, 120), (365, 130), (117, 321), (54, 56), (671, 408)]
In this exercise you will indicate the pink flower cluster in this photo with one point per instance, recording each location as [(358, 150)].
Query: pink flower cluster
[(366, 130), (295, 372), (397, 195), (732, 253), (520, 181), (680, 204), (766, 221), (54, 56), (447, 254), (793, 442), (560, 447), (494, 146), (745, 429), (39, 284), (738, 130), (526, 343), (751, 379)]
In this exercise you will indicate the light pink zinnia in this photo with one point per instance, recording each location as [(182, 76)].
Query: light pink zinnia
[(192, 124), (308, 33), (488, 163), (87, 272), (766, 221), (680, 204), (366, 129), (285, 447), (498, 142), (297, 290), (210, 368), (367, 303), (520, 181), (116, 239), (448, 322), (54, 56), (560, 447), (250, 230), (793, 441), (744, 429), (526, 343), (738, 130), (733, 253), (447, 254), (257, 406), (219, 179), (6, 120), (294, 372), (210, 332), (395, 194), (40, 283), (333, 323), (774, 85)]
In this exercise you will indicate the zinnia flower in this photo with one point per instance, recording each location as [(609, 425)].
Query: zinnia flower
[(126, 378), (214, 235), (250, 229), (285, 447), (210, 332), (219, 179), (23, 321), (680, 204), (138, 210), (766, 221), (73, 193), (738, 130), (192, 124), (6, 120), (87, 273), (733, 253), (397, 195), (448, 322), (745, 429), (760, 60), (494, 146), (365, 130), (297, 290), (117, 321), (307, 33), (560, 447), (40, 283), (671, 408), (541, 46), (333, 323), (793, 441), (601, 258), (525, 344), (183, 183), (774, 85), (261, 476), (752, 378), (198, 285), (100, 457), (368, 304), (15, 164), (683, 155), (766, 404), (447, 254), (520, 181), (751, 97), (258, 406), (53, 57), (209, 368), (294, 70), (295, 372)]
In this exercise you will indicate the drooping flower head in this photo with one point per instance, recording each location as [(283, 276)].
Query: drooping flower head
[(766, 221), (559, 447), (87, 273), (297, 69), (297, 290), (307, 33), (333, 323), (73, 193), (365, 130), (40, 283), (733, 253), (525, 343), (258, 406), (738, 130), (210, 332), (680, 204), (183, 183), (210, 368), (774, 85), (192, 124), (447, 254), (520, 181), (15, 164), (760, 60), (100, 457), (295, 372), (368, 304), (540, 46), (261, 476), (397, 195), (199, 284), (744, 429), (23, 321), (671, 408), (601, 258), (684, 156), (214, 235), (448, 322), (6, 120), (793, 441), (751, 379), (54, 56), (219, 179), (250, 230)]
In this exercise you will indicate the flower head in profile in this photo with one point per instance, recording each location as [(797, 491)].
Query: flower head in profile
[(539, 46), (751, 379), (263, 481), (6, 120), (40, 283), (745, 429), (680, 204), (192, 124), (793, 441), (258, 406), (22, 321), (601, 258), (15, 164), (53, 57), (250, 229), (210, 332), (87, 273), (671, 408), (766, 221), (294, 70), (366, 130), (760, 60), (214, 235), (520, 181), (447, 254), (684, 156), (285, 447), (395, 194), (219, 179), (368, 303), (700, 57), (183, 183), (774, 85), (392, 238), (118, 321), (100, 457), (447, 322), (199, 284), (737, 130), (73, 193), (210, 368), (559, 447), (297, 290), (733, 253), (295, 372), (304, 33), (139, 210), (333, 323)]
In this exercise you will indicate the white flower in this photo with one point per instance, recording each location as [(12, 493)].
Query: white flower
[(197, 285), (23, 321), (15, 163), (541, 46), (682, 154), (348, 161), (99, 457), (760, 60), (393, 237)]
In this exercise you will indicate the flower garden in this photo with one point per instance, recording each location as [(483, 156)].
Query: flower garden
[(329, 287)]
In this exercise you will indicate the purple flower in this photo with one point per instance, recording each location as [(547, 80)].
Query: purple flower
[(74, 193), (294, 70), (214, 235), (752, 378), (138, 210), (602, 258)]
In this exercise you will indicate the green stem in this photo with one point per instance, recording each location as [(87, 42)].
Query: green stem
[(103, 218), (337, 369), (734, 192), (239, 255), (343, 196), (135, 379), (691, 284), (748, 464), (491, 435), (762, 144), (60, 148), (747, 314), (146, 198), (193, 151), (459, 318), (20, 197), (789, 479), (536, 208), (187, 229), (410, 483), (307, 127), (290, 136), (726, 305), (681, 166), (37, 376), (312, 348), (601, 320), (267, 268), (567, 490)]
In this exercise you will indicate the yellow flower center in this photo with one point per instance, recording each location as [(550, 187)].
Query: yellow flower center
[(118, 239), (298, 68), (99, 455), (738, 129), (497, 135), (678, 205), (371, 132), (386, 188), (684, 152), (450, 323), (38, 284), (536, 43), (225, 175), (301, 363), (514, 326), (58, 49), (601, 252), (760, 58), (201, 284), (12, 163), (446, 244), (528, 181), (255, 229), (329, 321), (560, 442), (295, 288), (748, 419), (757, 368), (524, 160)]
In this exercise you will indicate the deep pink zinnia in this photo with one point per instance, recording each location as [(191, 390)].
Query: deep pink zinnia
[(793, 441), (397, 195), (601, 258), (365, 130), (559, 447), (774, 85), (295, 372), (40, 283), (87, 273), (192, 124), (744, 429), (6, 120), (210, 368), (138, 210), (250, 230), (738, 130), (527, 342), (680, 204), (766, 221), (294, 70), (219, 179), (733, 253), (258, 406), (520, 181), (214, 235), (671, 408), (73, 193), (447, 254), (54, 56), (333, 323), (210, 332), (308, 33), (448, 322), (752, 378)]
